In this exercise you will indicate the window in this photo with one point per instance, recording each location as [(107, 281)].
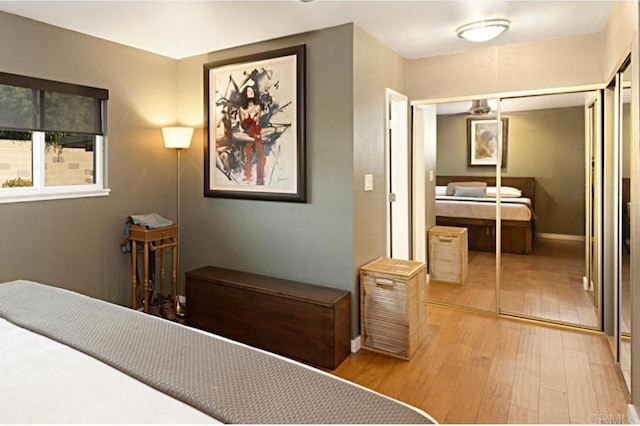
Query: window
[(52, 139)]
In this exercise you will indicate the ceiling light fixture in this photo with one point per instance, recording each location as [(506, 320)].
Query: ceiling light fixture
[(483, 30), (479, 107)]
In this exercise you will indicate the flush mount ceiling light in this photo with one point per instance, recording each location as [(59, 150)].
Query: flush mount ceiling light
[(483, 30)]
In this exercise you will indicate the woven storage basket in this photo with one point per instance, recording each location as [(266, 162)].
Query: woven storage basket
[(448, 254), (393, 306)]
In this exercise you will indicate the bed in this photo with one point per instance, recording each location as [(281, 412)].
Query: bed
[(68, 358), (470, 208)]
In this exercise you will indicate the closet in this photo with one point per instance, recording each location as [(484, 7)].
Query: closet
[(544, 139)]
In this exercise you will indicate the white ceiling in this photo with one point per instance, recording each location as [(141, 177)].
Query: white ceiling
[(414, 29)]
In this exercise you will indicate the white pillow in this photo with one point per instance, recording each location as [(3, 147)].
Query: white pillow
[(505, 192), (441, 190)]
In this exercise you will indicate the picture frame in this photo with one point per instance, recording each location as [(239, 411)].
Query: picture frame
[(482, 141), (255, 126)]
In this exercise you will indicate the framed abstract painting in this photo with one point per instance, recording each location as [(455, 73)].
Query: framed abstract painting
[(255, 116)]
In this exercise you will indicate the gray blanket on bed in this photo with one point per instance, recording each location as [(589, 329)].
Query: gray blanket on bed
[(228, 381)]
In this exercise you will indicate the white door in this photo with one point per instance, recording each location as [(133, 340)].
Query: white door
[(398, 171), (424, 149)]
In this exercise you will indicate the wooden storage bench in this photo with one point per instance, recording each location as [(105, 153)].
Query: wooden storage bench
[(309, 323)]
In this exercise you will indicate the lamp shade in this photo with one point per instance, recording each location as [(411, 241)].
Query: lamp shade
[(177, 137), (483, 30)]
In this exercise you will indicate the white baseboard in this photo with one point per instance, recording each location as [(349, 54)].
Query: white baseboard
[(355, 344), (559, 236), (632, 414)]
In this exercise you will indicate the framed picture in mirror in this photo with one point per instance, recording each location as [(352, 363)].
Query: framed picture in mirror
[(482, 142)]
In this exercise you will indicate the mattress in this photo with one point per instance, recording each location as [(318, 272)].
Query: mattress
[(518, 209)]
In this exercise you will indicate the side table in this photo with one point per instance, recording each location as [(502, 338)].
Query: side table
[(153, 240)]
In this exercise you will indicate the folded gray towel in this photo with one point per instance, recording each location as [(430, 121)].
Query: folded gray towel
[(151, 220), (148, 220)]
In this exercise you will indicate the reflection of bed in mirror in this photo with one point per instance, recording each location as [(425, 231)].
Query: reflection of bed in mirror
[(457, 205)]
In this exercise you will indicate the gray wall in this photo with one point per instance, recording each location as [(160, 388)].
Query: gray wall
[(288, 240), (309, 242), (319, 242), (74, 243), (545, 144), (376, 68)]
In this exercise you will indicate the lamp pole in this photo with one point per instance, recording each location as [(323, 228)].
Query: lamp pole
[(178, 138), (178, 308), (178, 223)]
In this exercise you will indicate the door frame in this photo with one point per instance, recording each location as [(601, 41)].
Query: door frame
[(398, 183), (593, 197)]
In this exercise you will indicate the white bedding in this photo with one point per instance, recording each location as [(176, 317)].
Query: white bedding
[(43, 381), (483, 208)]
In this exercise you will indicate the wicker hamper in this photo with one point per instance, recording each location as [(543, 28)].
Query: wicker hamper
[(448, 255), (393, 306)]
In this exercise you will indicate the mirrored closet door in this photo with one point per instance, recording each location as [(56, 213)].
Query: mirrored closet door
[(467, 147), (624, 213), (543, 261), (535, 206), (617, 208)]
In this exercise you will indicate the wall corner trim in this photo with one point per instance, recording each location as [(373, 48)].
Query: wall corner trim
[(356, 344)]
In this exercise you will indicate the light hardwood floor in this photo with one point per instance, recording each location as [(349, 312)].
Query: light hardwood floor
[(545, 284), (476, 368), (478, 291)]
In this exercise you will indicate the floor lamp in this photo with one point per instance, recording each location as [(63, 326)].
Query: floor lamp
[(178, 138)]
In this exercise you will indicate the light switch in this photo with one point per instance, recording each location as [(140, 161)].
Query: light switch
[(430, 175), (368, 182)]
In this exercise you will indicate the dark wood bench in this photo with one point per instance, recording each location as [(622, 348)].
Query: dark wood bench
[(306, 322)]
